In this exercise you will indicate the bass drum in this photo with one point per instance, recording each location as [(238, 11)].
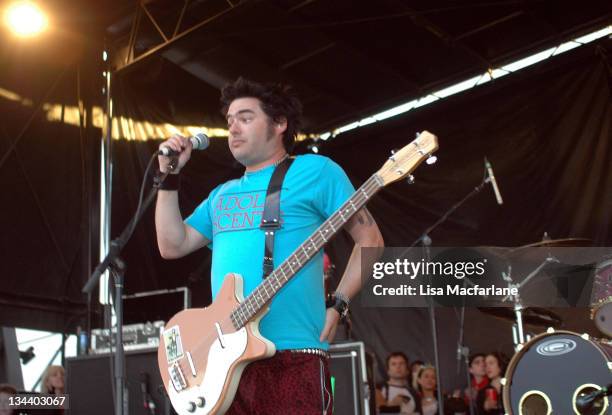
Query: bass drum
[(552, 370)]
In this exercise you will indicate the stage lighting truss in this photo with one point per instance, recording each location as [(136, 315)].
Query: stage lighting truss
[(492, 73)]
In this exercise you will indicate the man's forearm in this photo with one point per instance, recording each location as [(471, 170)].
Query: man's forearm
[(351, 281), (169, 224)]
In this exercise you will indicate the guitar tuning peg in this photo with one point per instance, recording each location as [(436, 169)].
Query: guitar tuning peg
[(393, 151), (431, 159), (417, 134), (410, 179)]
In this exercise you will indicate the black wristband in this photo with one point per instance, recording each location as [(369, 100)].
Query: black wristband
[(338, 304), (171, 182)]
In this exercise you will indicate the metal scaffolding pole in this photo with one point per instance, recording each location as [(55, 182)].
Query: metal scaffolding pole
[(106, 178)]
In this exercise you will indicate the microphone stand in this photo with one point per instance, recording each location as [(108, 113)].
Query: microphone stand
[(585, 402), (117, 267), (425, 241), (464, 352), (453, 208), (426, 244)]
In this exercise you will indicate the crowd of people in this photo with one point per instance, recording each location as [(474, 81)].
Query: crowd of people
[(411, 388)]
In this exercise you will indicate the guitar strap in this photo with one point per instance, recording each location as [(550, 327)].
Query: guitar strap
[(270, 221)]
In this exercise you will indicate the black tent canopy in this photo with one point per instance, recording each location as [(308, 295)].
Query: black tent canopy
[(545, 129)]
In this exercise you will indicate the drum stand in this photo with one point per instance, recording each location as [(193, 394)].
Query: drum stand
[(518, 331)]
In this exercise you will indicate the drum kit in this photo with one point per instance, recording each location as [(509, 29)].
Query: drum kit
[(558, 372)]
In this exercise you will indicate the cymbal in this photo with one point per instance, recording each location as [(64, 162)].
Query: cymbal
[(563, 242), (534, 316), (525, 252)]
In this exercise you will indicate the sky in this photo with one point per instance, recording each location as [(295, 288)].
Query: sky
[(45, 345)]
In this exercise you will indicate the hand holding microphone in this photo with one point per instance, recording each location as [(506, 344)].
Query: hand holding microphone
[(179, 147)]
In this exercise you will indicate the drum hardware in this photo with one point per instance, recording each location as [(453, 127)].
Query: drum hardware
[(601, 294), (547, 242), (601, 297), (519, 313), (515, 336), (532, 316), (519, 332)]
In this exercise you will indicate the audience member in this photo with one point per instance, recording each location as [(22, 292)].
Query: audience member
[(489, 399), (426, 380), (478, 377), (6, 391), (53, 380), (396, 395), (415, 367)]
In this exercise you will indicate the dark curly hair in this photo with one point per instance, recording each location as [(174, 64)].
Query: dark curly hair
[(278, 101)]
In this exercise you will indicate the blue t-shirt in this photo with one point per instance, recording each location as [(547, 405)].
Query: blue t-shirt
[(313, 189)]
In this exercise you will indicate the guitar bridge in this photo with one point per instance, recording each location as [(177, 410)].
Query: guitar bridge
[(177, 377)]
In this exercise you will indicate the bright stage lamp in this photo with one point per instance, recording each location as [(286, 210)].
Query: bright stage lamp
[(25, 18)]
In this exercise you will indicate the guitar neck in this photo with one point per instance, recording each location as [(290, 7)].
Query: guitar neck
[(300, 257)]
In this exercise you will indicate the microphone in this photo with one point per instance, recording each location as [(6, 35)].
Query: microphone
[(493, 182), (200, 141), (585, 402)]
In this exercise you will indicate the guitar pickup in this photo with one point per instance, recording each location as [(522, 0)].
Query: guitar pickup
[(177, 377)]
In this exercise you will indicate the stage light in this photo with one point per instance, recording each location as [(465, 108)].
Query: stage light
[(25, 18)]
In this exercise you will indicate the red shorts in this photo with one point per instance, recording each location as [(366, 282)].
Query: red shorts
[(286, 383)]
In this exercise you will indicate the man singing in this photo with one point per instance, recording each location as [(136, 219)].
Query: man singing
[(263, 121)]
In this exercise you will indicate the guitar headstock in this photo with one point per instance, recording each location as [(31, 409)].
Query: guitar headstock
[(406, 160)]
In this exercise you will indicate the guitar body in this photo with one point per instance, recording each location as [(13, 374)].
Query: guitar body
[(206, 366)]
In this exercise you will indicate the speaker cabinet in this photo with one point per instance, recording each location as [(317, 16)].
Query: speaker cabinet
[(90, 379)]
